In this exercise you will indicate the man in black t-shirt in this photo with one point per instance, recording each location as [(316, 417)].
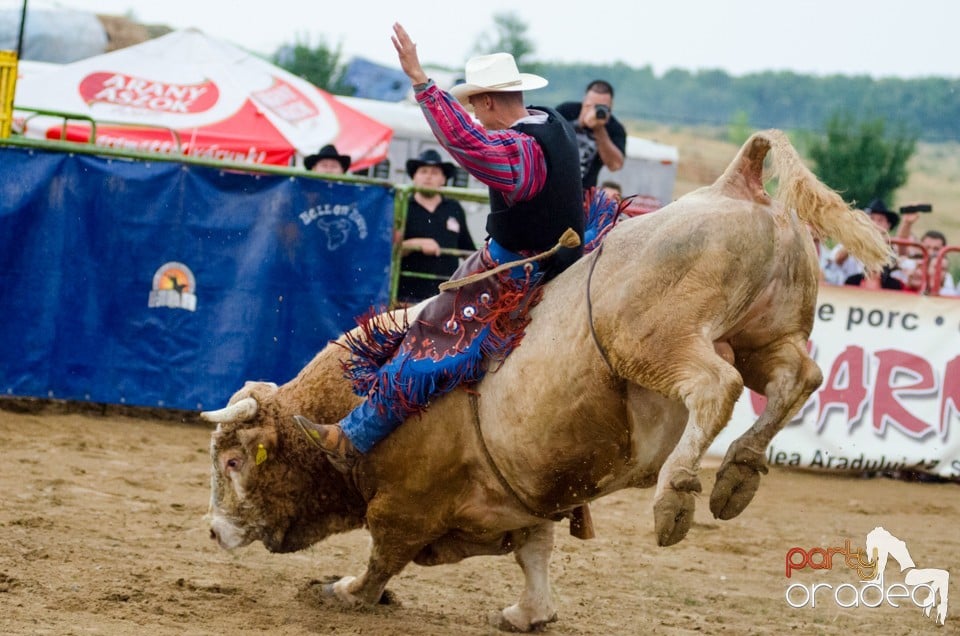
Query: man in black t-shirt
[(602, 140), (433, 223)]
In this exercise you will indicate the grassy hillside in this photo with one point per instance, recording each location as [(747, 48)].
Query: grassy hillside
[(934, 171)]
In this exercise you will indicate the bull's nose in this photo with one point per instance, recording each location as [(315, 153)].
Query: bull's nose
[(213, 535)]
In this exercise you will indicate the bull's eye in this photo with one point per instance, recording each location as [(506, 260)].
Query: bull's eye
[(469, 312), (233, 463)]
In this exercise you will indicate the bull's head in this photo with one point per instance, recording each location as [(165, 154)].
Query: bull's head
[(267, 483)]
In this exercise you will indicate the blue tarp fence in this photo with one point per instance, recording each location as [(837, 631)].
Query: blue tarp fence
[(170, 284)]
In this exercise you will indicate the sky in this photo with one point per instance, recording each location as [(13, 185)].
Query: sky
[(881, 38)]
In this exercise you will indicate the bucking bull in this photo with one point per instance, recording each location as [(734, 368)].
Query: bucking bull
[(629, 368)]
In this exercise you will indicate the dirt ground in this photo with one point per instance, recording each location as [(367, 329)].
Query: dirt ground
[(102, 532)]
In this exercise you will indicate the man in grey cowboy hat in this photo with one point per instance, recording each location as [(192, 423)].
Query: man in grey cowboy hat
[(528, 157), (327, 161), (434, 222)]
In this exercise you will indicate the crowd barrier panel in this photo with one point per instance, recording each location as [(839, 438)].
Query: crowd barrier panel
[(402, 204), (162, 281)]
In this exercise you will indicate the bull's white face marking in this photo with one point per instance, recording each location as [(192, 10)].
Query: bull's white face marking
[(227, 490), (229, 536)]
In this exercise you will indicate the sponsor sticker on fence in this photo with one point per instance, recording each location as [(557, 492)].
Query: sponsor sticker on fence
[(174, 286)]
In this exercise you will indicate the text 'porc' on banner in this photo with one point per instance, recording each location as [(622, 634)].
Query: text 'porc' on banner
[(890, 398), (168, 284)]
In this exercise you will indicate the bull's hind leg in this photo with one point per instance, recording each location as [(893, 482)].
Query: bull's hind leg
[(787, 376), (535, 607)]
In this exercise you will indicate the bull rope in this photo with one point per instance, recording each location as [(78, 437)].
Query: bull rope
[(593, 331), (475, 407), (568, 239)]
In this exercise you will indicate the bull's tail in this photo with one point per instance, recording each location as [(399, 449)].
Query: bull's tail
[(822, 208)]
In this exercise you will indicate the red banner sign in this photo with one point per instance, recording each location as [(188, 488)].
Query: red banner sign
[(138, 92)]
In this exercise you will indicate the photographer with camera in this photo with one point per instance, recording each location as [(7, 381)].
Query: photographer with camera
[(909, 215), (601, 139), (932, 240)]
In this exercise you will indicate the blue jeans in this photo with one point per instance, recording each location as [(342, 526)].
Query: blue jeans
[(406, 383)]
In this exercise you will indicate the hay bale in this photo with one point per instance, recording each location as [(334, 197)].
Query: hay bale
[(123, 32)]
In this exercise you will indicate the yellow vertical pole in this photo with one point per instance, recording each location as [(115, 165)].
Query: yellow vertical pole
[(8, 85)]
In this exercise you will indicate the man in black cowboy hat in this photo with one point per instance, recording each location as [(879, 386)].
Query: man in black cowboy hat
[(433, 223), (885, 219), (327, 161)]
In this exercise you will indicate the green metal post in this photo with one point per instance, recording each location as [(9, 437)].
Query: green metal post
[(401, 203)]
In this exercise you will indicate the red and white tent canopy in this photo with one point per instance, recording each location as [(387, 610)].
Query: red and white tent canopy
[(188, 93)]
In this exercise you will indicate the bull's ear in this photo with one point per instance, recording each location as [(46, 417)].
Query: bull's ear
[(259, 443)]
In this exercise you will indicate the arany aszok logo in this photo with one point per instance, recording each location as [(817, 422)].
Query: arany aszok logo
[(174, 286), (147, 94), (925, 588)]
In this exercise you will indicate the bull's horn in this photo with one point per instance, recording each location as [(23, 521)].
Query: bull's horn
[(242, 411)]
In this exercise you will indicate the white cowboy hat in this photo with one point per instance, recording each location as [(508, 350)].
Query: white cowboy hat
[(494, 73)]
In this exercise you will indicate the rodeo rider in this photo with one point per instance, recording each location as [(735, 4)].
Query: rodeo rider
[(529, 160)]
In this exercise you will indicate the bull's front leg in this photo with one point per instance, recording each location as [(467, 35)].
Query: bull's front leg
[(367, 589), (535, 607), (786, 375), (396, 538)]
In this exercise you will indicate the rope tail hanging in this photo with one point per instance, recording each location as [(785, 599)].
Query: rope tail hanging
[(568, 239)]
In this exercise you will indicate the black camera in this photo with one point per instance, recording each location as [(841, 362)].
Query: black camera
[(601, 111), (920, 207)]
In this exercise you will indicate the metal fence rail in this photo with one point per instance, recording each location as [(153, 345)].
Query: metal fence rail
[(400, 192), (401, 206)]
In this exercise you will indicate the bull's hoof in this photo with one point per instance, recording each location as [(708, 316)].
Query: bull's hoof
[(501, 622), (327, 590), (673, 516), (339, 592), (736, 484)]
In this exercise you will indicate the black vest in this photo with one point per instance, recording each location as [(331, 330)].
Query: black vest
[(536, 224)]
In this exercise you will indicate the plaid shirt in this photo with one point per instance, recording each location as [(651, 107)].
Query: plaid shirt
[(506, 160)]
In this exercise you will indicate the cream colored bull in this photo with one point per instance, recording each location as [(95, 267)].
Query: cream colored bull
[(620, 382)]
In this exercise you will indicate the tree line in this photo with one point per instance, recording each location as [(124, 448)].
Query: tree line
[(858, 131), (927, 108)]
